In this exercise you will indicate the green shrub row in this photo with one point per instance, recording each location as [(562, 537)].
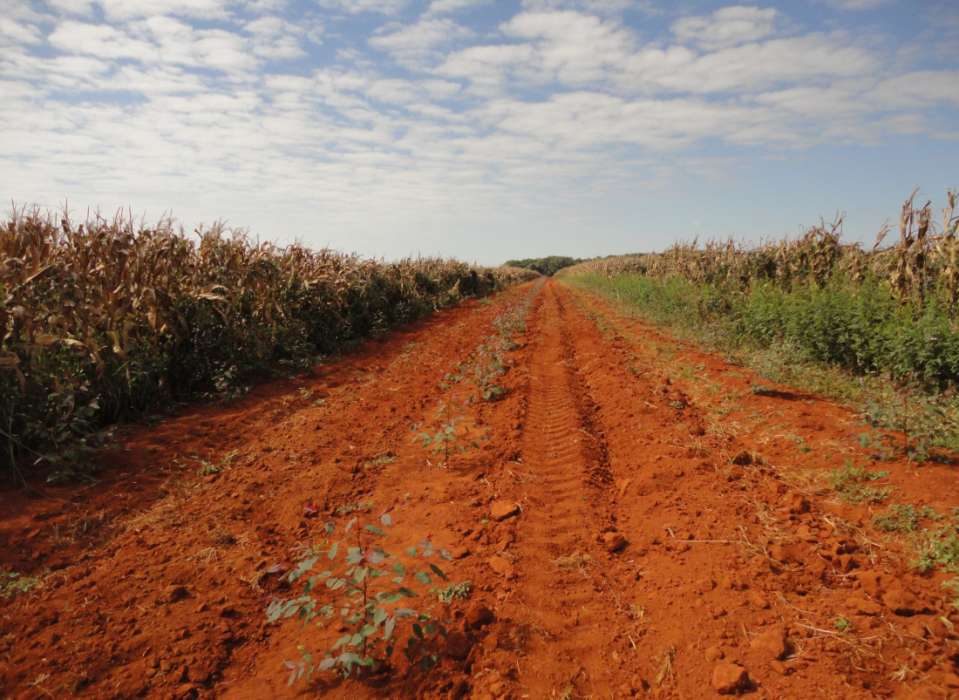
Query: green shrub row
[(859, 327)]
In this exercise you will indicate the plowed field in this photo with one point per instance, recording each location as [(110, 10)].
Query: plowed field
[(635, 520)]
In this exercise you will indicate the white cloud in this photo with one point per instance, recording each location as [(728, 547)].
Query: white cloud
[(101, 40), (73, 7), (132, 9), (18, 31), (572, 46), (856, 5), (917, 89), (276, 38), (601, 7), (354, 7), (157, 40), (413, 44), (487, 66), (438, 7), (753, 67), (728, 26)]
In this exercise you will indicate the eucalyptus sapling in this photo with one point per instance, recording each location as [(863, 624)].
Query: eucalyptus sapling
[(367, 591)]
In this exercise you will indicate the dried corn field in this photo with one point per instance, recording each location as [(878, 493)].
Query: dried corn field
[(923, 265), (109, 320)]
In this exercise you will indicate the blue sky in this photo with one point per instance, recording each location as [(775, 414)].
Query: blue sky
[(478, 129)]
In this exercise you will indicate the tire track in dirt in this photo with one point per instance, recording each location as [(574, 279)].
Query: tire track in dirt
[(558, 610)]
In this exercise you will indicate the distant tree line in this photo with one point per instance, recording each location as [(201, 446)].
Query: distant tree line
[(545, 266)]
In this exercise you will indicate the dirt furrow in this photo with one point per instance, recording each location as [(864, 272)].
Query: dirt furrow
[(558, 607)]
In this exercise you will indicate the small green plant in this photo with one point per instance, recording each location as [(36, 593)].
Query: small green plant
[(842, 624), (13, 584), (359, 507), (489, 368), (923, 419), (876, 444), (903, 517), (850, 483), (380, 460), (938, 547), (445, 440), (454, 377), (208, 468), (366, 591), (455, 591)]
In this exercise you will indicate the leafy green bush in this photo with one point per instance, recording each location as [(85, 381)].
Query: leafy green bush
[(861, 328)]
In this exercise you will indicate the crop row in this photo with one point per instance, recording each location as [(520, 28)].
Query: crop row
[(108, 320)]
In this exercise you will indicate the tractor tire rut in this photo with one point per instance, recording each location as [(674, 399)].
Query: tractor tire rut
[(556, 539)]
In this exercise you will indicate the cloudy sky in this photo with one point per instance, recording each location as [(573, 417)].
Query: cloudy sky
[(481, 129)]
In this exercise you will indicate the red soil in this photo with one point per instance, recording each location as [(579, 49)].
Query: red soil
[(642, 560)]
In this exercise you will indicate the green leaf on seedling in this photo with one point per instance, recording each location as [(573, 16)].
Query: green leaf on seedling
[(378, 616), (388, 597), (375, 530), (377, 556), (438, 572), (386, 519), (331, 554), (423, 577)]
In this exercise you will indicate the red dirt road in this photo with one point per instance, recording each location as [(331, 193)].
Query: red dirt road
[(673, 538)]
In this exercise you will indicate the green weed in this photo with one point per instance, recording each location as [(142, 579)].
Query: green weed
[(938, 548), (851, 484), (455, 591), (366, 591), (903, 518), (13, 584)]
